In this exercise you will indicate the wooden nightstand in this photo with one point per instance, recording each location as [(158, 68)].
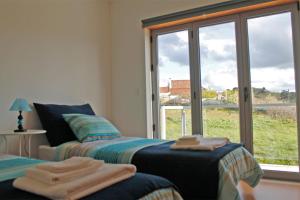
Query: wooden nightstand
[(28, 134)]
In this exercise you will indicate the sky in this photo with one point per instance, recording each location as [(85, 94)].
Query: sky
[(270, 46)]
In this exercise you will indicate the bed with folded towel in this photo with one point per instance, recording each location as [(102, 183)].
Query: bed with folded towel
[(79, 178), (199, 143), (208, 171)]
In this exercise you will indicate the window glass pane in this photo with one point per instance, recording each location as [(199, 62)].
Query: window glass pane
[(273, 90), (174, 85), (219, 80)]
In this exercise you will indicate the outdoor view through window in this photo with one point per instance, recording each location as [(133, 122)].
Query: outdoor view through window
[(272, 80), (273, 89), (174, 85)]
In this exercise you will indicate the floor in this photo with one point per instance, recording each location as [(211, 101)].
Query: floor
[(270, 189)]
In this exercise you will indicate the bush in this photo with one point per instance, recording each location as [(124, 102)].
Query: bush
[(283, 114)]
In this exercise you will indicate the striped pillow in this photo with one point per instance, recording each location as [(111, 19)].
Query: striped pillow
[(89, 128)]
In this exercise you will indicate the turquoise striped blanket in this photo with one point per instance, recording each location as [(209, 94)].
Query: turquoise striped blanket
[(13, 166), (119, 150), (235, 166)]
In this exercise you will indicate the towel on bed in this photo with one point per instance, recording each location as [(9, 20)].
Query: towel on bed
[(105, 176), (56, 178), (199, 143), (73, 163), (189, 138)]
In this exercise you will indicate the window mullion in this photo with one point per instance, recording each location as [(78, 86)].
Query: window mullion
[(296, 48), (155, 90), (243, 52), (195, 82)]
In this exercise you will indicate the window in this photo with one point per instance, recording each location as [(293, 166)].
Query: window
[(233, 76), (219, 80), (274, 119), (174, 84)]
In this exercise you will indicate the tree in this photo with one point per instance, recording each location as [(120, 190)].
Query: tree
[(284, 95), (232, 96), (209, 94)]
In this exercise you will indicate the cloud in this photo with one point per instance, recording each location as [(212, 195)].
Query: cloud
[(271, 52), (220, 79), (270, 41), (218, 32), (228, 53), (173, 47), (276, 79)]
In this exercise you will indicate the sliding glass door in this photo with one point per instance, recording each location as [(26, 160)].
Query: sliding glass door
[(219, 80), (174, 84), (272, 72), (237, 77)]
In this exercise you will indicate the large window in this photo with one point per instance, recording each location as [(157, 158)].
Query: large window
[(272, 73), (233, 76), (219, 81), (174, 84)]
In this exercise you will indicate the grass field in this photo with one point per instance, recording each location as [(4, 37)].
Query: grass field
[(275, 139)]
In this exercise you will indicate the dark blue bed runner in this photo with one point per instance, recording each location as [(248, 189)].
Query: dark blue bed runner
[(195, 173), (130, 189)]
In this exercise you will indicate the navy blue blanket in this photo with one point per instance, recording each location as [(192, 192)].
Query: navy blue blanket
[(195, 173), (130, 189)]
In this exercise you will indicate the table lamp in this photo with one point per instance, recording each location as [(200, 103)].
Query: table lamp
[(20, 105)]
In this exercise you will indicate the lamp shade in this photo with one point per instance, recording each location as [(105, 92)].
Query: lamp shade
[(20, 105)]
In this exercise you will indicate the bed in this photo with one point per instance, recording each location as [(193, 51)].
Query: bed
[(71, 130), (141, 186), (198, 174)]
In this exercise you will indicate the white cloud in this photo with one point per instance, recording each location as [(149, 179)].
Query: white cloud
[(220, 79), (273, 79)]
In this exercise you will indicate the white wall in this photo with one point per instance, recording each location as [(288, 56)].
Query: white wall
[(128, 57), (77, 51), (54, 51)]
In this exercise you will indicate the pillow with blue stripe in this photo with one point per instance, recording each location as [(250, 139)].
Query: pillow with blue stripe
[(89, 128)]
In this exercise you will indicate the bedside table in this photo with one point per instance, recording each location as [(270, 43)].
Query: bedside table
[(28, 134)]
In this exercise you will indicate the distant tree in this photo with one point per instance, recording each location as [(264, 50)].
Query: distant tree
[(292, 97), (231, 96), (284, 95), (209, 94), (260, 93)]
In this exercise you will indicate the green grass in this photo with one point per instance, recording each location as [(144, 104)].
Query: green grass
[(275, 139)]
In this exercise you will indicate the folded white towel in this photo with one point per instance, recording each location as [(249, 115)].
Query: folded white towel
[(66, 165), (208, 144), (192, 142), (56, 178), (190, 138), (105, 176)]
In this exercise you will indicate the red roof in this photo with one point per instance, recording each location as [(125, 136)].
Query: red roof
[(164, 89), (181, 83), (177, 87), (180, 91)]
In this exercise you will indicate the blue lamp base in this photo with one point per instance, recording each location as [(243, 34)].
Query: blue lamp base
[(20, 123)]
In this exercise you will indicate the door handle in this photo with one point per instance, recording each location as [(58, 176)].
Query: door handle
[(246, 94)]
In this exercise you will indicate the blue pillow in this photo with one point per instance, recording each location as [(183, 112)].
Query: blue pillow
[(58, 131), (89, 128)]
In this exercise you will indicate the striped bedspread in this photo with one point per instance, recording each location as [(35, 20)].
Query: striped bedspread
[(13, 166), (237, 165), (163, 194), (119, 150)]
